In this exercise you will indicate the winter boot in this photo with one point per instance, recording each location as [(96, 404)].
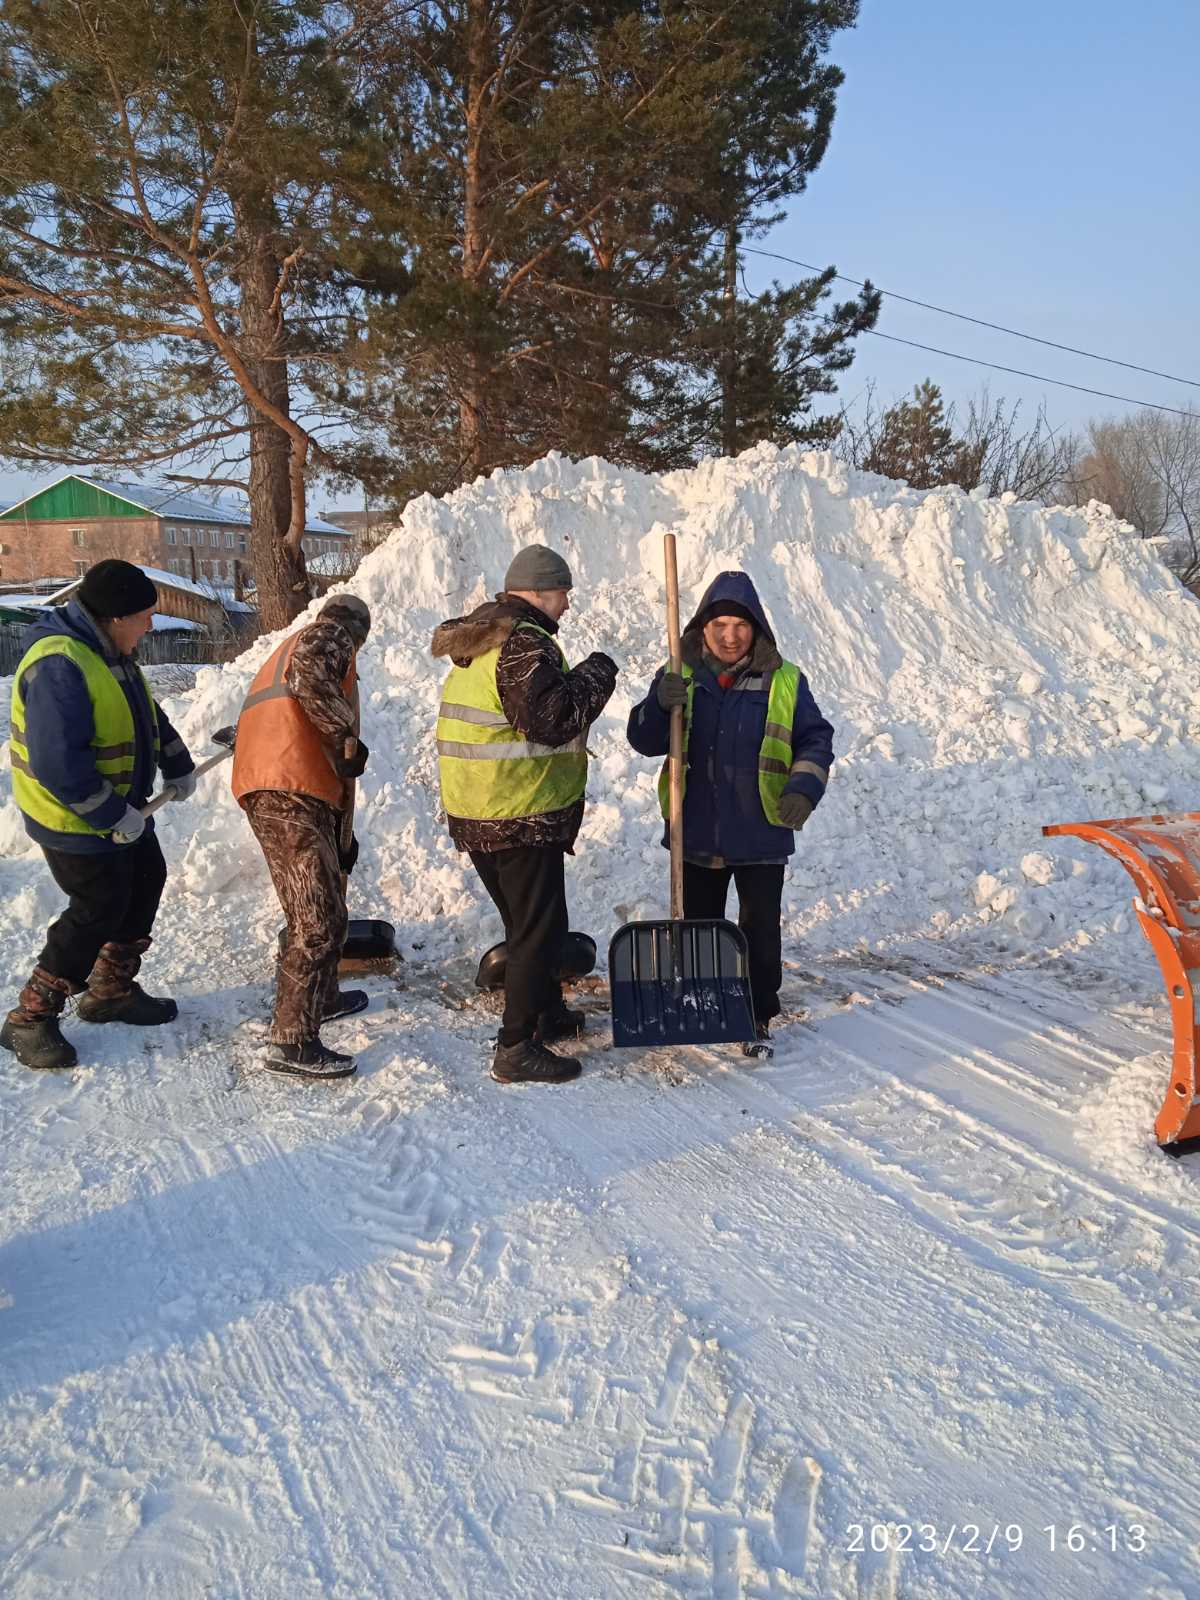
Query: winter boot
[(113, 996), (347, 1003), (561, 1022), (31, 1030), (530, 1062), (760, 1046), (312, 1059)]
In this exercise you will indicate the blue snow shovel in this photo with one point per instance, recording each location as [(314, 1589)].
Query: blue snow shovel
[(679, 982)]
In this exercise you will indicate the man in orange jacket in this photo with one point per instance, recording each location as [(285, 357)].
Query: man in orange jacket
[(295, 761)]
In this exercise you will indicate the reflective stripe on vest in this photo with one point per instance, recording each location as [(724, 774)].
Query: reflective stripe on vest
[(113, 741), (277, 746), (775, 751), (488, 771)]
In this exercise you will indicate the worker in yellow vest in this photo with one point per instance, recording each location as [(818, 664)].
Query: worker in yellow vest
[(511, 731), (297, 755), (757, 754), (87, 738)]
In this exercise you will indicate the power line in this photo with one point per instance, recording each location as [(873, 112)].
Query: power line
[(997, 327), (1061, 383)]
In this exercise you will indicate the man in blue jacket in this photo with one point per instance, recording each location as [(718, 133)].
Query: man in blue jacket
[(757, 754), (87, 739)]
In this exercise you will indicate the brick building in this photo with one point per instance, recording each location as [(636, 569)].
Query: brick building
[(61, 530)]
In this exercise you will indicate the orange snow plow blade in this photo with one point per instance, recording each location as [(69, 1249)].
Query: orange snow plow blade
[(1162, 856)]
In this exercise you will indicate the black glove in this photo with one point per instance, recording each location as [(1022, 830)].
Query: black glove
[(351, 766), (348, 858), (672, 690), (794, 811), (607, 662)]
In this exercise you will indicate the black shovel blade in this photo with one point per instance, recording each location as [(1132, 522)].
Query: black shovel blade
[(680, 983), (577, 960), (366, 940)]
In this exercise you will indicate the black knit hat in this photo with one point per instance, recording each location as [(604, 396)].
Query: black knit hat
[(117, 589), (727, 608)]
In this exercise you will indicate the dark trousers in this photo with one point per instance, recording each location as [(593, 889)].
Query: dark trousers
[(530, 893), (114, 899), (760, 897)]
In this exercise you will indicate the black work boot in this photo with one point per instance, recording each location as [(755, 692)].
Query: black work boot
[(113, 996), (312, 1059), (560, 1023), (760, 1046), (529, 1061), (347, 1003), (31, 1030)]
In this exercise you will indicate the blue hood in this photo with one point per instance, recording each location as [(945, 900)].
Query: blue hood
[(73, 621), (736, 588)]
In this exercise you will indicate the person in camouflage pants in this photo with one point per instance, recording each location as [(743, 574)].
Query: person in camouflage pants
[(297, 755), (299, 839)]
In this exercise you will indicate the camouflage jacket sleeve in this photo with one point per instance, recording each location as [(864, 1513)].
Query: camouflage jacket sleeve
[(546, 704), (319, 662)]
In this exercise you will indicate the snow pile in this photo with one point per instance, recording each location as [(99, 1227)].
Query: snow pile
[(988, 665), (263, 1339)]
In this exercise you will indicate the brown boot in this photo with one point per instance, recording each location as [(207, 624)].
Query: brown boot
[(113, 996), (31, 1029)]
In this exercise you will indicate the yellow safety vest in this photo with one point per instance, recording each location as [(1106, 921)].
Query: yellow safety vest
[(488, 769), (775, 752), (113, 737)]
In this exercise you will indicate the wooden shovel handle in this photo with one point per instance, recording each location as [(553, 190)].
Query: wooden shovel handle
[(675, 759), (160, 800)]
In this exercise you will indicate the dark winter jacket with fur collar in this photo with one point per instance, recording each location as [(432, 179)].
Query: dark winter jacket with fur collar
[(544, 703)]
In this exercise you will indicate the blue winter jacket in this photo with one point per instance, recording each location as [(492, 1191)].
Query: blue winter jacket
[(59, 727), (722, 811)]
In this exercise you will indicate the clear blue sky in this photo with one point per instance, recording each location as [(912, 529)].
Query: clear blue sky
[(1032, 163)]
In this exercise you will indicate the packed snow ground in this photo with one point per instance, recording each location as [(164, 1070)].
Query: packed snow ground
[(685, 1326)]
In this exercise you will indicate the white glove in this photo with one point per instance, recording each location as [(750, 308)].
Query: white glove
[(131, 826), (182, 788)]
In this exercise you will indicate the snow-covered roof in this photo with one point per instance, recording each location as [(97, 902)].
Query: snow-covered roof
[(174, 580), (215, 594), (331, 563), (165, 500), (160, 622), (224, 593), (164, 624)]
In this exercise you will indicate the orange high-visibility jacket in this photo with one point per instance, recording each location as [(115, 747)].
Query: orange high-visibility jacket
[(277, 746)]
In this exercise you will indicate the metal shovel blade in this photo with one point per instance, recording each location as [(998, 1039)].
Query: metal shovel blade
[(677, 982), (368, 939), (370, 946)]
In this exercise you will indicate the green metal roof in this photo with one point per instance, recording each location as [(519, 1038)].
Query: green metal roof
[(70, 497), (82, 497)]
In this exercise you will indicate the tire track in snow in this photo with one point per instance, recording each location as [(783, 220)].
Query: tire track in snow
[(711, 1070), (1007, 1205)]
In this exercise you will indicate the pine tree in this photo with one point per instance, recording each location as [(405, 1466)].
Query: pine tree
[(569, 176), (916, 442), (540, 160), (185, 188), (771, 354)]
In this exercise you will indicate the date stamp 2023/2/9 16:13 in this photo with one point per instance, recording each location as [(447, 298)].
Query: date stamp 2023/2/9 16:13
[(973, 1538)]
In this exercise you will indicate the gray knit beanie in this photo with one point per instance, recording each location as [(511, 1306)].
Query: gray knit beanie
[(535, 568)]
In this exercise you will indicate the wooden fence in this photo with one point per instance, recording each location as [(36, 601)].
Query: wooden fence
[(156, 649)]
